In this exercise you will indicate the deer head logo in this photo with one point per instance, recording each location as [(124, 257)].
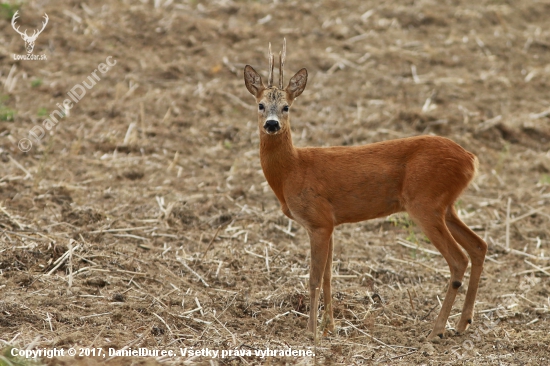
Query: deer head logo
[(29, 40)]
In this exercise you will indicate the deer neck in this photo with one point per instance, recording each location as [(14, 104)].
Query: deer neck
[(277, 156)]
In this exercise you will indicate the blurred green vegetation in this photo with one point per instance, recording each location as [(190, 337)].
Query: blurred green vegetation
[(8, 9), (6, 359), (6, 113)]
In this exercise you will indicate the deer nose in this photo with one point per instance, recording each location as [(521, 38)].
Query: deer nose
[(272, 126)]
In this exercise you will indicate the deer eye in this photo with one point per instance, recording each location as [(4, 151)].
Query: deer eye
[(285, 108), (261, 107)]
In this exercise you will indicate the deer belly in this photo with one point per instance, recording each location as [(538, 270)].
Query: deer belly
[(356, 210)]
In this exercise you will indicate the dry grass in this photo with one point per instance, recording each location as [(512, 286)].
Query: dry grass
[(144, 219)]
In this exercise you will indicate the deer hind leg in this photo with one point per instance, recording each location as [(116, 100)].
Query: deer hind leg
[(320, 239), (327, 322), (476, 249), (435, 229)]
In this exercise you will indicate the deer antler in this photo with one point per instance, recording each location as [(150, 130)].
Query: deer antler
[(15, 16), (282, 56), (35, 34), (271, 62), (24, 34)]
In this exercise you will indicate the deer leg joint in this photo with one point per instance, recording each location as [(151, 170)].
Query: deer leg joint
[(456, 284)]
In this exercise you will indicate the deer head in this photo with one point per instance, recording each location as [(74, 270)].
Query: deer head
[(274, 102), (29, 40)]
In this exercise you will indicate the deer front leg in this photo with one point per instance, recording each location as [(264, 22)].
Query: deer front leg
[(320, 239), (327, 322)]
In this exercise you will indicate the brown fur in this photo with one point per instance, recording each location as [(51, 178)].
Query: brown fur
[(322, 187)]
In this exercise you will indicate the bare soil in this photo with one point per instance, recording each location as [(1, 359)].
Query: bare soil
[(149, 192)]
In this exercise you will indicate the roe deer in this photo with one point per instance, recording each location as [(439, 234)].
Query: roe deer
[(322, 187)]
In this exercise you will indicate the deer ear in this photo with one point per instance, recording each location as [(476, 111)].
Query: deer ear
[(297, 84), (253, 81)]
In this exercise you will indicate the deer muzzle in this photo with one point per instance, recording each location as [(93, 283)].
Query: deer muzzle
[(272, 126)]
